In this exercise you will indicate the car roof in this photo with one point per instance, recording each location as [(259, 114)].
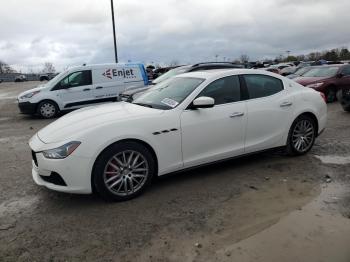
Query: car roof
[(217, 73), (94, 66)]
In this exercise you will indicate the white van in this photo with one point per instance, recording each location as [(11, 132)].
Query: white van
[(82, 86)]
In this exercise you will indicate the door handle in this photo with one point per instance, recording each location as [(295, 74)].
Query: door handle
[(287, 103), (99, 87), (86, 89), (236, 114)]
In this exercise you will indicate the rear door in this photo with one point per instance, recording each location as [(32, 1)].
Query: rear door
[(269, 110), (75, 90)]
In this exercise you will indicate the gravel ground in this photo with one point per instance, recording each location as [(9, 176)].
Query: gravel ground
[(265, 207)]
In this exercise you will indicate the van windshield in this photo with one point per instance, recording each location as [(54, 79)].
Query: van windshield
[(55, 78), (168, 94)]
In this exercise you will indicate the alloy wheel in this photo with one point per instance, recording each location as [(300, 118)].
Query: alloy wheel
[(126, 173), (303, 135)]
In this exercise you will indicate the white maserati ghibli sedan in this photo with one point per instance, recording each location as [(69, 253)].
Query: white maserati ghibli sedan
[(186, 121)]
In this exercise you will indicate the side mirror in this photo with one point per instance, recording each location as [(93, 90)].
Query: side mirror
[(340, 75), (203, 102)]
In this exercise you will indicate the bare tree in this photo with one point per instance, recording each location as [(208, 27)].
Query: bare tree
[(49, 68), (244, 58), (5, 68)]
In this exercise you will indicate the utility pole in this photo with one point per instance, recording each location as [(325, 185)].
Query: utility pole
[(114, 37)]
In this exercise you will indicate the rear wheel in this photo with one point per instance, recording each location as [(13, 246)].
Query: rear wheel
[(123, 171), (301, 135), (47, 109)]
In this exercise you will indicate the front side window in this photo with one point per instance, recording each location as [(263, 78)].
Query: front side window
[(224, 90), (262, 85), (80, 78), (169, 93)]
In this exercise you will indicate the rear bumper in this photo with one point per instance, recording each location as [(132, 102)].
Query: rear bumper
[(27, 108)]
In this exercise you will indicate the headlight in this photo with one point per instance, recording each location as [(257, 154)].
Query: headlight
[(315, 85), (62, 151), (29, 95)]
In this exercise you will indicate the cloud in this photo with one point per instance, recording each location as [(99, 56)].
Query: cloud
[(75, 32)]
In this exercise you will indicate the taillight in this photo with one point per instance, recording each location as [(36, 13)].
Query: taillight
[(323, 96)]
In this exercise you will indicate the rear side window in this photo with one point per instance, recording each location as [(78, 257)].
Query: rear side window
[(262, 85), (224, 90)]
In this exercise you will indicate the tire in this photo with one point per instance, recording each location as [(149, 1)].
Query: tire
[(300, 137), (47, 109), (331, 95), (123, 171)]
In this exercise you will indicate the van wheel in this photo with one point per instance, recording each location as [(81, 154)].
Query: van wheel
[(123, 171), (47, 109)]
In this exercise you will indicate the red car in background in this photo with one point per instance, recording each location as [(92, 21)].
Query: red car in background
[(328, 79)]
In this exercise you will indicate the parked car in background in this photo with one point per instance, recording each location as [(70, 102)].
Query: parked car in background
[(20, 78), (129, 95), (299, 72), (47, 77), (345, 99), (183, 122), (328, 79), (82, 86), (288, 70)]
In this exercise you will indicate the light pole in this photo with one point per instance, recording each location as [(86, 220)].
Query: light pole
[(114, 37)]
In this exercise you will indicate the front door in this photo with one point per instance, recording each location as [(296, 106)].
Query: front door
[(211, 134), (76, 90)]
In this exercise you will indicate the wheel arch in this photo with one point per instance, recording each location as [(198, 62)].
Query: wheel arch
[(312, 116), (142, 142), (47, 99)]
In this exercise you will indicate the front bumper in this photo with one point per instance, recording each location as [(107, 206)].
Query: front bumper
[(27, 107), (74, 171)]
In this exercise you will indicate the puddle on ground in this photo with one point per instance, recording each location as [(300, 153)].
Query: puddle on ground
[(316, 232), (332, 159)]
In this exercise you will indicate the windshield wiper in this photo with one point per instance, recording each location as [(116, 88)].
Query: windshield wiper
[(143, 104)]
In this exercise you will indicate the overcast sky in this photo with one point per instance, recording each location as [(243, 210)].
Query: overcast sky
[(71, 32)]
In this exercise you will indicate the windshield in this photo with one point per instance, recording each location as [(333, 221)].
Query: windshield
[(171, 73), (322, 71), (302, 71), (168, 94)]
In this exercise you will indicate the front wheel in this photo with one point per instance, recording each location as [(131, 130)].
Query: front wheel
[(123, 171), (47, 109), (301, 135)]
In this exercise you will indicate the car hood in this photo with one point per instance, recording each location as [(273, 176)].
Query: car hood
[(38, 88), (70, 125), (308, 80)]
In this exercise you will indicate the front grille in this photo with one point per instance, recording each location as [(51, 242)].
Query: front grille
[(34, 158)]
